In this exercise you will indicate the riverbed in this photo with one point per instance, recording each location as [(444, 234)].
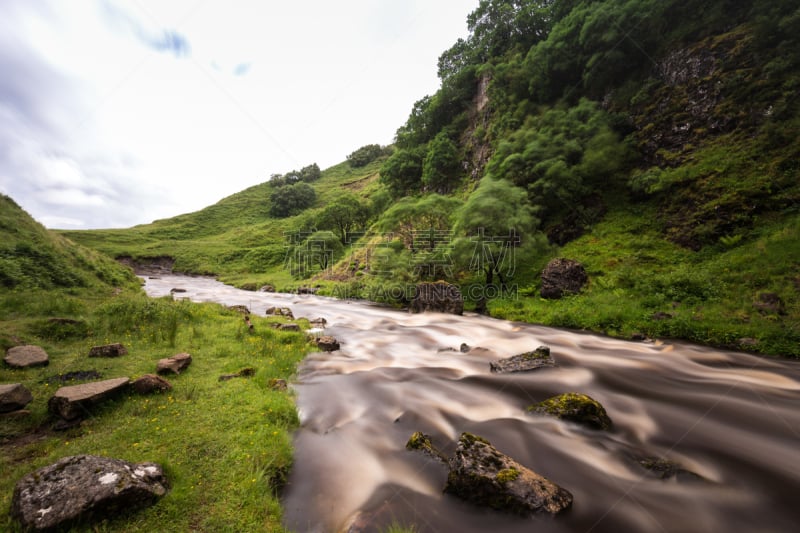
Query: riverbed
[(732, 419)]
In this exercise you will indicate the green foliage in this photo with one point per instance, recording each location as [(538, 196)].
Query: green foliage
[(367, 154), (306, 174), (442, 165), (226, 447), (318, 252), (344, 215), (135, 315), (289, 200), (402, 172), (561, 156)]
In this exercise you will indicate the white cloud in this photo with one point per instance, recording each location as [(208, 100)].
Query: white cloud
[(131, 112)]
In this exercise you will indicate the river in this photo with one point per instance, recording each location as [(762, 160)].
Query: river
[(731, 418)]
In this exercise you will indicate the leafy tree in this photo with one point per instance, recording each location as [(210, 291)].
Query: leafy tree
[(366, 155), (343, 215), (402, 172), (318, 252), (441, 165), (495, 225), (289, 200), (424, 227), (561, 156)]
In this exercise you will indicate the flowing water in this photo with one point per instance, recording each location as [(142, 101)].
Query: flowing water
[(731, 418)]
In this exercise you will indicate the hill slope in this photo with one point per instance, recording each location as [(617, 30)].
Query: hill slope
[(655, 141)]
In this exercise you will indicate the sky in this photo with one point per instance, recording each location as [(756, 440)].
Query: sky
[(117, 113)]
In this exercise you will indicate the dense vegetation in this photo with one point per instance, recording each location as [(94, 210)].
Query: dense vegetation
[(655, 141)]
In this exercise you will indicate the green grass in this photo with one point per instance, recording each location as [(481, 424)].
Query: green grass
[(225, 446), (635, 273)]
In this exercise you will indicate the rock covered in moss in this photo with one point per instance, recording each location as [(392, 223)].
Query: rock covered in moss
[(574, 407), (524, 362), (422, 442), (480, 474), (84, 488), (439, 296), (562, 277)]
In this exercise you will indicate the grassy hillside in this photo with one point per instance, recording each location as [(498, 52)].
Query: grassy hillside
[(225, 446), (662, 152)]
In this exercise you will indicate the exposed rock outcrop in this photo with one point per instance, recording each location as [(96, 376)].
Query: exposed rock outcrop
[(14, 397), (562, 277), (84, 488), (524, 362), (26, 356), (175, 364), (480, 474), (438, 296), (574, 407), (75, 401)]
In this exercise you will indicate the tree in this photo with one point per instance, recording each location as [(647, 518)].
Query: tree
[(424, 227), (441, 165), (494, 225), (402, 172), (318, 252), (344, 215), (366, 155), (289, 200)]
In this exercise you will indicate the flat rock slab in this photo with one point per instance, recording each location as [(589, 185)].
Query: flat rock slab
[(84, 488), (26, 357), (524, 362), (14, 397), (108, 350), (74, 401), (480, 474), (280, 311), (175, 364)]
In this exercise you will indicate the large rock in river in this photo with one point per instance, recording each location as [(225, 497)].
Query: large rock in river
[(524, 362), (574, 407), (438, 296), (561, 277), (479, 473), (84, 488)]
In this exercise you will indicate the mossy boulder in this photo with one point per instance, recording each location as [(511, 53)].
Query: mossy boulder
[(422, 442), (574, 407), (481, 474), (524, 362)]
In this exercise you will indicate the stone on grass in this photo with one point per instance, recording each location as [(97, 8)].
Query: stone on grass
[(26, 357), (85, 489), (150, 383), (74, 401), (277, 384), (562, 277), (289, 327), (574, 407), (175, 364), (326, 343), (14, 397), (439, 296), (108, 350), (280, 311), (524, 362), (481, 474), (240, 308), (243, 373)]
